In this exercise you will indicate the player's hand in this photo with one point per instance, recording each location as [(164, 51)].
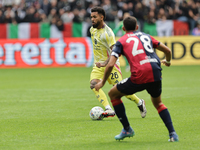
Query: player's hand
[(99, 65), (166, 63), (98, 85)]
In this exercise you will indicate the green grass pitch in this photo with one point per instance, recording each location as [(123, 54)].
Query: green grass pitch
[(48, 109)]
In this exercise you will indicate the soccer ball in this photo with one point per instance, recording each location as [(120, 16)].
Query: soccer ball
[(96, 113)]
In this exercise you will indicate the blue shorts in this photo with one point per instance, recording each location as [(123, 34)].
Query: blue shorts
[(127, 87)]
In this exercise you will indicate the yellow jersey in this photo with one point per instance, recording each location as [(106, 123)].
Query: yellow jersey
[(102, 40)]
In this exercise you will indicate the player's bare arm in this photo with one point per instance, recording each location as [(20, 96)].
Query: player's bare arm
[(107, 72), (167, 53), (99, 65)]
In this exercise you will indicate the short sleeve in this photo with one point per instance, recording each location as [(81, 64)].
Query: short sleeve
[(155, 42), (117, 49)]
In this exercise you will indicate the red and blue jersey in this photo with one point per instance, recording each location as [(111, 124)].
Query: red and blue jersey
[(137, 47)]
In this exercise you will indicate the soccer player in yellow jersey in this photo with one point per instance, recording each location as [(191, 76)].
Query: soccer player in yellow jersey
[(103, 40)]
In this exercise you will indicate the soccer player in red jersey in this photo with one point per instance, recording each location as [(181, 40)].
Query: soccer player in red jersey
[(145, 67)]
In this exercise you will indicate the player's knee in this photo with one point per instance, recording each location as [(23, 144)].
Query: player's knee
[(111, 94), (92, 84)]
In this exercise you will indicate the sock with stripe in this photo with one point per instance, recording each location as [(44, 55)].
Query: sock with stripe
[(120, 112), (165, 116)]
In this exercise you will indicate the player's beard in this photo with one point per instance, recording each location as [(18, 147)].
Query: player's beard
[(96, 25)]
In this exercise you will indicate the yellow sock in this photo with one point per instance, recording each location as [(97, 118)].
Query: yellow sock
[(133, 98), (101, 96)]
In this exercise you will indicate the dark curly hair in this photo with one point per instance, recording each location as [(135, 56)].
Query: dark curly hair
[(100, 11)]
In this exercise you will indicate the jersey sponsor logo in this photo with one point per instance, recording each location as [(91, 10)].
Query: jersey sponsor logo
[(148, 61), (46, 53), (95, 41)]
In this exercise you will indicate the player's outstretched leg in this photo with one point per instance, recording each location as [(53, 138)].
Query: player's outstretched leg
[(127, 131), (119, 108), (140, 103), (109, 112), (101, 96), (165, 116)]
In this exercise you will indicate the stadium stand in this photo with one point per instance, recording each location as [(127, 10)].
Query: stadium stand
[(71, 18)]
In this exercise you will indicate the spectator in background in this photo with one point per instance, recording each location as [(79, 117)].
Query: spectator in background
[(21, 11), (9, 14), (1, 17), (66, 15), (58, 23), (37, 16), (30, 15), (77, 17), (38, 8), (63, 3), (53, 13), (130, 8), (198, 6), (196, 31), (164, 26), (17, 18), (171, 14), (54, 4), (88, 3), (161, 15), (176, 10), (88, 10), (46, 6), (110, 10), (122, 10), (151, 18), (183, 12), (150, 11), (43, 18), (193, 14), (157, 6), (82, 14), (120, 25), (139, 14)]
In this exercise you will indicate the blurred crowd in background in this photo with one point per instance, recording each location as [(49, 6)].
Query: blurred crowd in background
[(64, 11)]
